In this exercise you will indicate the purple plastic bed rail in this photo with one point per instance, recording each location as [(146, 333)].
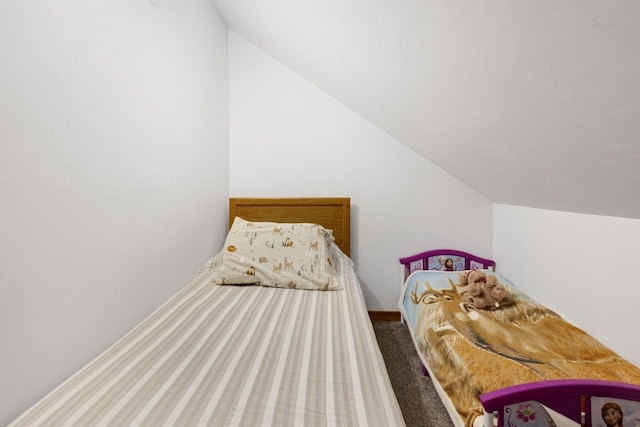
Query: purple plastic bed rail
[(435, 252), (572, 398)]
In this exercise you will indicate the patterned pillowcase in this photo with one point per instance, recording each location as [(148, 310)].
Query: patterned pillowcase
[(285, 255)]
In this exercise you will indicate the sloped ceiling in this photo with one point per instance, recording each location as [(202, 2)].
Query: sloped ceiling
[(531, 103)]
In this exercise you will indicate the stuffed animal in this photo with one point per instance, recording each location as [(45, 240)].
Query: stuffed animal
[(482, 291)]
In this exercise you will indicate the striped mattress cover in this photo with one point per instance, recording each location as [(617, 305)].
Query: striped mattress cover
[(235, 355)]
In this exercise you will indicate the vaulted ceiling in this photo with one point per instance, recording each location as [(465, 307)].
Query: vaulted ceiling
[(531, 103)]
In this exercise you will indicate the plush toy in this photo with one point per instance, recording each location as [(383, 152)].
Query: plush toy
[(482, 291)]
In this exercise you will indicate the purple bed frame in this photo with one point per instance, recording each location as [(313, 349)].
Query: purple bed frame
[(464, 261), (571, 397)]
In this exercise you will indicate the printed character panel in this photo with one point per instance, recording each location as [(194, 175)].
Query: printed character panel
[(534, 414), (612, 412), (446, 262)]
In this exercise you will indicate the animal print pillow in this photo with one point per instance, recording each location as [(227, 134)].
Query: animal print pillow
[(285, 255)]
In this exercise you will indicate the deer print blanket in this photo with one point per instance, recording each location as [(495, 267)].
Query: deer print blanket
[(477, 333)]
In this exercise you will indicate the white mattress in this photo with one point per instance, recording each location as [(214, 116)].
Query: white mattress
[(235, 355)]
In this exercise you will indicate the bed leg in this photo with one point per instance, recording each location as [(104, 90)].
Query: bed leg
[(403, 277), (488, 419)]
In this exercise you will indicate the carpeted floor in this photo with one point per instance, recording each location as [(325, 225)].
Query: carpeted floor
[(418, 400)]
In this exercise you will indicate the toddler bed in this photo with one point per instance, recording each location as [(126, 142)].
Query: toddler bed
[(285, 352), (497, 357)]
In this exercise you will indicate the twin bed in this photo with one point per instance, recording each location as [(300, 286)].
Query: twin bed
[(220, 354), (497, 357)]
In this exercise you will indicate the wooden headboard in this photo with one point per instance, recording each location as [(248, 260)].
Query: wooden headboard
[(331, 212)]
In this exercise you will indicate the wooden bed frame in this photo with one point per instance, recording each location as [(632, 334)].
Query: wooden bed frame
[(574, 399), (333, 213)]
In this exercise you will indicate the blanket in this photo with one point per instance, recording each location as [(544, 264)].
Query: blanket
[(473, 347)]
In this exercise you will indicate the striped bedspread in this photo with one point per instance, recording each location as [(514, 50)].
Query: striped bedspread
[(238, 356)]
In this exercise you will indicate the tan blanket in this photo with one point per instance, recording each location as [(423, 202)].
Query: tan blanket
[(472, 350)]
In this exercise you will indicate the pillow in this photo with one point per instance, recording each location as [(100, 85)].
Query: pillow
[(285, 255)]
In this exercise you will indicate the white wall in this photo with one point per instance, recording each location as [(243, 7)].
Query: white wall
[(113, 174), (585, 267), (289, 138)]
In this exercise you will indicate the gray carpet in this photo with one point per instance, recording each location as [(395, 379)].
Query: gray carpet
[(418, 400)]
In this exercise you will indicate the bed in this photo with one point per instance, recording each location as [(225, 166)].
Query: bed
[(218, 353), (498, 357)]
